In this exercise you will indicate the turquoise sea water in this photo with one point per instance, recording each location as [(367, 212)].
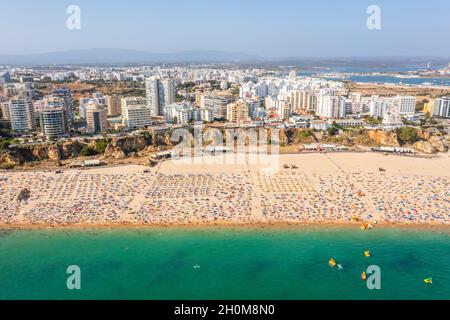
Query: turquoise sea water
[(235, 263)]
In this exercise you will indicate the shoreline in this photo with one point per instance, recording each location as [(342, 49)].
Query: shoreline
[(274, 225)]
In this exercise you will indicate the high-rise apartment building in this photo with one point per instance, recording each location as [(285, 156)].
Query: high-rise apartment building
[(66, 95), (218, 105), (169, 91), (407, 104), (114, 105), (238, 112), (159, 94), (96, 117), (332, 107), (4, 108), (21, 113), (53, 121), (442, 107)]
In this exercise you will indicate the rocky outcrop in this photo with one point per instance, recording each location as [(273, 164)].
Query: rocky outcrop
[(11, 158), (44, 152), (433, 145), (123, 147), (383, 138), (52, 152), (438, 143), (70, 149), (120, 148), (424, 147)]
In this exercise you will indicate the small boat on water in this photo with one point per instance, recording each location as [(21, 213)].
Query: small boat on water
[(363, 276), (428, 281), (367, 254)]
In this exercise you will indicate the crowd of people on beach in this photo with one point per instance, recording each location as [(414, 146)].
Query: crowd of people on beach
[(195, 198), (293, 197), (408, 199), (85, 198)]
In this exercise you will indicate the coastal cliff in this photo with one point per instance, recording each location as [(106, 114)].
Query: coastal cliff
[(138, 145)]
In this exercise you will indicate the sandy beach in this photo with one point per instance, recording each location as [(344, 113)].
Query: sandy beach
[(305, 189)]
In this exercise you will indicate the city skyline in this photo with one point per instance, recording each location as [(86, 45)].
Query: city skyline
[(265, 29)]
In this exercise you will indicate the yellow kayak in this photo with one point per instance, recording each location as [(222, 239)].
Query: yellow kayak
[(428, 281), (332, 263), (366, 227), (364, 276), (367, 254)]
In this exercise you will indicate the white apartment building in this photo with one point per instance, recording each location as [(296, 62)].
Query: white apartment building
[(218, 105), (407, 104), (159, 94), (319, 125), (378, 107), (180, 113), (21, 114), (330, 107), (135, 112), (205, 114), (442, 107), (53, 121)]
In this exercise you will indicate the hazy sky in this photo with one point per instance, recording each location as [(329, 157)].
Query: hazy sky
[(271, 28)]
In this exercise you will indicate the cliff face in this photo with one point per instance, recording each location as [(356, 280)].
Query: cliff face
[(293, 136), (120, 148), (383, 138), (53, 152), (433, 145), (123, 147), (11, 158)]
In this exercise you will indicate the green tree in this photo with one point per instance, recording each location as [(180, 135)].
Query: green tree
[(305, 134), (407, 135), (100, 146), (332, 131), (373, 121), (4, 144), (88, 151)]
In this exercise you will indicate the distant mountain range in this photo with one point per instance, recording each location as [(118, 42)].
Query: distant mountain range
[(123, 56)]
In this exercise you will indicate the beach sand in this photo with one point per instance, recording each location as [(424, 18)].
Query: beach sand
[(315, 189)]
